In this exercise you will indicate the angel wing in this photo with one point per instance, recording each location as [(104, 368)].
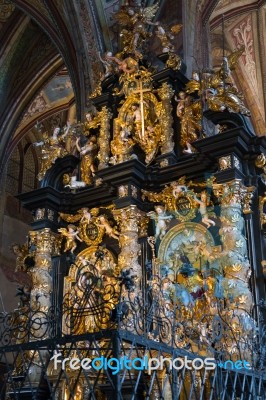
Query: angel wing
[(234, 57), (182, 180), (149, 12), (94, 211), (71, 217), (196, 107), (152, 215), (151, 196), (167, 191), (175, 29), (63, 231), (123, 18), (193, 86)]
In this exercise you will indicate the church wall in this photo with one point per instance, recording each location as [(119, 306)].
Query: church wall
[(14, 230)]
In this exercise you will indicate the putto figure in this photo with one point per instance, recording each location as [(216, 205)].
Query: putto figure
[(71, 235), (109, 230), (203, 202), (161, 220)]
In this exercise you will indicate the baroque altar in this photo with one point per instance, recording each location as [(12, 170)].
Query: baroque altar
[(143, 239)]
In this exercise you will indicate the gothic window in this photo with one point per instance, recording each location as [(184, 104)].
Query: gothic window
[(22, 169)]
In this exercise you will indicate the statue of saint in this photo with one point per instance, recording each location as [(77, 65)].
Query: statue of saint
[(88, 153)]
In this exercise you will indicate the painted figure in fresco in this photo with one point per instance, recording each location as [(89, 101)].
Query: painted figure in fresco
[(88, 153), (71, 234), (203, 202), (181, 294), (161, 220)]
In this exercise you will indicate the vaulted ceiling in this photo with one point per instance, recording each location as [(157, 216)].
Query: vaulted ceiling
[(242, 23)]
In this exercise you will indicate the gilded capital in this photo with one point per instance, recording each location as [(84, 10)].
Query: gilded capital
[(44, 241), (234, 194)]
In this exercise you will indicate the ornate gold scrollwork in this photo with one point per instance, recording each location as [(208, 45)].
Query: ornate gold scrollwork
[(262, 202), (178, 199), (91, 232), (93, 224)]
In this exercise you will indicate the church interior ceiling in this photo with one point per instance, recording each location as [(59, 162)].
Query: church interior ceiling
[(26, 23)]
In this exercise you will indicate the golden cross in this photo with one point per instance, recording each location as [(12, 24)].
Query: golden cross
[(141, 91)]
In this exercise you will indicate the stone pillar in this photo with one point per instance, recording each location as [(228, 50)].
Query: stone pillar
[(129, 219), (40, 301), (235, 199)]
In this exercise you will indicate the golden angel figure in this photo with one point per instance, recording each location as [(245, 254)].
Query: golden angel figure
[(136, 21), (71, 235), (88, 153), (222, 93), (52, 148), (165, 36), (189, 113), (109, 230)]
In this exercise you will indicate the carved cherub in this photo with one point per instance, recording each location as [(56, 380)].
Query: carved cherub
[(127, 65), (203, 209), (179, 187), (86, 216), (71, 234), (109, 230), (161, 219)]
